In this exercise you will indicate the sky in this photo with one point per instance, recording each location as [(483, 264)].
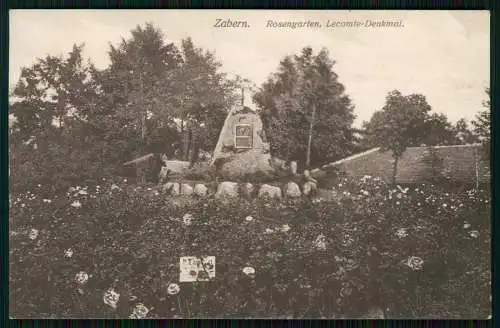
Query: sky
[(444, 55)]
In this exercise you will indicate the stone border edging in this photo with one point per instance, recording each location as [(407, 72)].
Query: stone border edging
[(230, 189)]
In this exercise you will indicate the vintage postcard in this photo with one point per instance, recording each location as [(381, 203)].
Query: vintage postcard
[(249, 164)]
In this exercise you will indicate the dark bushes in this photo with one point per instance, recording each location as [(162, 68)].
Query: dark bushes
[(132, 243)]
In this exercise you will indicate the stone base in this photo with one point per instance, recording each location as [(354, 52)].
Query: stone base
[(243, 165)]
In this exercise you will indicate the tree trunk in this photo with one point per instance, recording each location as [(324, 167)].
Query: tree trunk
[(195, 148), (126, 101), (395, 169), (309, 141), (143, 113), (141, 177), (188, 147), (477, 168)]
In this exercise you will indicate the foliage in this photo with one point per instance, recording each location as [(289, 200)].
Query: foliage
[(463, 133), (436, 131), (202, 171), (55, 140), (305, 99), (482, 124), (139, 83), (71, 122), (399, 124), (207, 96), (131, 240), (178, 95), (434, 165)]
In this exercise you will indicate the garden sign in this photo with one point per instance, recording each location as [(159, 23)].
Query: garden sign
[(197, 269)]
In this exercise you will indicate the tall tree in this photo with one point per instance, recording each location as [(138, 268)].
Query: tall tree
[(399, 124), (140, 85), (163, 93), (482, 123), (463, 133), (437, 131), (51, 90), (49, 100), (206, 96), (305, 111)]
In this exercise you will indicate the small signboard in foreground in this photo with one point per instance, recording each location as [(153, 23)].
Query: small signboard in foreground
[(197, 269)]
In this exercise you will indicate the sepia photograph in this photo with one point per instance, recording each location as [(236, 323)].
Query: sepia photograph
[(249, 164)]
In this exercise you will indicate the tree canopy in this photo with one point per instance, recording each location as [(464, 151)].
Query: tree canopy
[(69, 121), (305, 110), (72, 121)]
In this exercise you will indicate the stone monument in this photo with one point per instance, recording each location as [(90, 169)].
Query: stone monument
[(242, 148)]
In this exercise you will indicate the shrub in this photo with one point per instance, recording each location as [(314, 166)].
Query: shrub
[(132, 241), (201, 171)]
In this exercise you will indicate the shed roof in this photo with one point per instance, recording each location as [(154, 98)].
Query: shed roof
[(459, 163)]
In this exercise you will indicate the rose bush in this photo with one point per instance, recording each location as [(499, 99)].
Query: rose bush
[(409, 251)]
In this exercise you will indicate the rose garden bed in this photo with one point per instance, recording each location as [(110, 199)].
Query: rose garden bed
[(419, 253)]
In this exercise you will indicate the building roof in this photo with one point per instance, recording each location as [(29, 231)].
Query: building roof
[(139, 159), (459, 164)]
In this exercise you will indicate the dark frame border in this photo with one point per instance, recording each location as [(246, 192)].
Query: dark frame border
[(6, 5)]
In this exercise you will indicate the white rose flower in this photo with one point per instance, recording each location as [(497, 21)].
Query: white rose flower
[(68, 253), (249, 218), (346, 290), (415, 263), (81, 277), (249, 271), (139, 312), (285, 228), (33, 234), (474, 233), (111, 298), (76, 204), (401, 233), (187, 219), (173, 289), (320, 242)]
